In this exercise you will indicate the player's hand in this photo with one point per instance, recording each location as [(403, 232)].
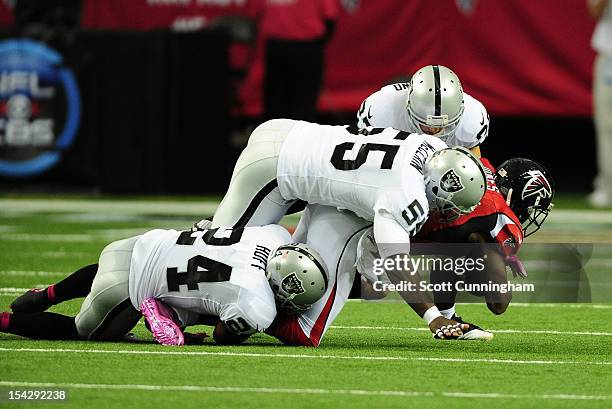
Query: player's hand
[(443, 328), (516, 265), (194, 338)]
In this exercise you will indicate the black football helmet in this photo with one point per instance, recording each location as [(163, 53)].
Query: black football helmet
[(529, 189)]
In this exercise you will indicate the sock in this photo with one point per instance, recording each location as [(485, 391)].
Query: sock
[(41, 325), (4, 321), (51, 294), (449, 312), (76, 285)]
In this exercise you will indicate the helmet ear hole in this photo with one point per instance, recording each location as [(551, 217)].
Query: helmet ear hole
[(434, 190)]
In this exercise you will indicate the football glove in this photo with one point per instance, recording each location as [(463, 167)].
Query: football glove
[(516, 266)]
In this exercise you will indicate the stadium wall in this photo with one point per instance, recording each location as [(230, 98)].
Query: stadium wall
[(158, 106)]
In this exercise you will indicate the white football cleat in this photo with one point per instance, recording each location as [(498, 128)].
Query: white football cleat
[(476, 333)]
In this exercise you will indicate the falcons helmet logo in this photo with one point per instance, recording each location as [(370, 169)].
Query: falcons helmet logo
[(537, 185)]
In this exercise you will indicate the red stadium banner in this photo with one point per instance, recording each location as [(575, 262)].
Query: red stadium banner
[(150, 14), (6, 14), (520, 57)]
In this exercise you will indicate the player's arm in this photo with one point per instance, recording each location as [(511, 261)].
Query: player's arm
[(394, 243), (241, 320), (224, 335), (363, 121), (495, 270), (474, 127), (377, 111), (597, 8)]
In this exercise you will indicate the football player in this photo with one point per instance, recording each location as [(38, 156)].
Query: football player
[(386, 176), (233, 279), (433, 102), (517, 201), (339, 237), (334, 234)]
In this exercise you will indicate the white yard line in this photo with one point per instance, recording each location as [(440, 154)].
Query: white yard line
[(507, 331), (303, 391), (29, 273), (11, 291), (107, 206), (309, 356), (513, 304), (76, 238), (204, 207)]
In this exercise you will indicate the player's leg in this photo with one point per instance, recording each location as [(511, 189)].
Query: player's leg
[(334, 234), (444, 300), (103, 309), (276, 76), (76, 285), (253, 197), (107, 312), (308, 63), (602, 95), (39, 325)]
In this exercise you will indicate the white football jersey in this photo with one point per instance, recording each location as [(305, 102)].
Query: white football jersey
[(219, 272), (380, 174), (387, 108)]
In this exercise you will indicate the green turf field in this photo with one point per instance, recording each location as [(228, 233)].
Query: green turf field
[(377, 354)]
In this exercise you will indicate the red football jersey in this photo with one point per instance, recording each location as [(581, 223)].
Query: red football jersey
[(492, 217)]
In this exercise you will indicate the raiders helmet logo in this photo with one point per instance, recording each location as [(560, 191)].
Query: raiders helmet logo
[(451, 182), (536, 185), (292, 284)]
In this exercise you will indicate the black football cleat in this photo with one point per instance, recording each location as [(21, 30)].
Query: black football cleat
[(34, 300), (474, 332)]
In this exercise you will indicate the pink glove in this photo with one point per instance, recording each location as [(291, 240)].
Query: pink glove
[(516, 265)]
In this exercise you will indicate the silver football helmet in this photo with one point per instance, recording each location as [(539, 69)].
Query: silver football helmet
[(435, 101), (298, 277), (455, 182)]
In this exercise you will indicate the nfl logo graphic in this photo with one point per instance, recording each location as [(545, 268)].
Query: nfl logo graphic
[(39, 108)]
